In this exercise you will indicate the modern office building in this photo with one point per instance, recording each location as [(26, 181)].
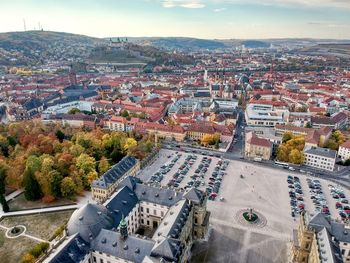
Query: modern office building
[(265, 115)]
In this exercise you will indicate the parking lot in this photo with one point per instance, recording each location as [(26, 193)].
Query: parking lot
[(245, 185), (180, 170)]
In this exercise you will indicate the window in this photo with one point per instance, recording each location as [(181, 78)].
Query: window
[(94, 259), (155, 212), (141, 209), (101, 260), (147, 210)]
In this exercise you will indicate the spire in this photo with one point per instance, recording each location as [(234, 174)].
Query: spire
[(123, 228)]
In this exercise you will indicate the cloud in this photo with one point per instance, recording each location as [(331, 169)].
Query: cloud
[(219, 9), (183, 3)]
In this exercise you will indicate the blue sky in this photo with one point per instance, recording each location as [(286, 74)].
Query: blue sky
[(190, 18)]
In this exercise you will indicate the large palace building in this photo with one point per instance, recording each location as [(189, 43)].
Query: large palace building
[(138, 223), (103, 187), (319, 239)]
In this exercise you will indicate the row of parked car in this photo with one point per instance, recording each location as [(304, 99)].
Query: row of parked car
[(215, 179), (296, 195), (318, 196), (182, 171), (197, 179), (342, 203), (157, 177)]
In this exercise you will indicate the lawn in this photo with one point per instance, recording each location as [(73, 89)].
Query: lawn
[(12, 250), (20, 203), (39, 225)]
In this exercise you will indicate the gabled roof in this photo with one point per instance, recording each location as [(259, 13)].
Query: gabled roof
[(157, 195), (133, 248), (318, 221), (194, 195), (169, 248), (121, 203), (115, 173), (74, 252)]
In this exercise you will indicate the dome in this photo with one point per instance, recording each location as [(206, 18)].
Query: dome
[(88, 221)]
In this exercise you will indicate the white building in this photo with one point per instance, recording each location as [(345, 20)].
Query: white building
[(66, 107), (344, 151), (320, 158), (265, 115)]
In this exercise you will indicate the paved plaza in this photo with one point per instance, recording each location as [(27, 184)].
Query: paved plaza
[(263, 189)]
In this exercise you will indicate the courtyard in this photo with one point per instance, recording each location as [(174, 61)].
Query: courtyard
[(38, 228)]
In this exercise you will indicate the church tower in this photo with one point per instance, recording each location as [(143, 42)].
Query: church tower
[(123, 228)]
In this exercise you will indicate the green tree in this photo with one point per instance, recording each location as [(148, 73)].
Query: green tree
[(3, 201), (85, 163), (55, 183), (124, 113), (60, 135), (5, 206), (308, 125), (31, 186), (73, 111), (68, 188)]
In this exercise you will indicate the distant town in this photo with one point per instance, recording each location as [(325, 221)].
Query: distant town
[(135, 150)]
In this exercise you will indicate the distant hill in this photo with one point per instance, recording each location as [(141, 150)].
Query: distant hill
[(329, 49), (126, 52), (255, 44), (181, 43), (38, 47), (34, 47)]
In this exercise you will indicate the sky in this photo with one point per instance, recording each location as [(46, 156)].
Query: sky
[(209, 19)]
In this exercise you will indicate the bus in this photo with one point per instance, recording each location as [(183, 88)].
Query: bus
[(282, 164)]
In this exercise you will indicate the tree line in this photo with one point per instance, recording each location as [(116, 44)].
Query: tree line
[(52, 162)]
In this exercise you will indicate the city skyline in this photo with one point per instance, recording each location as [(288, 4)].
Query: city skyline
[(209, 19)]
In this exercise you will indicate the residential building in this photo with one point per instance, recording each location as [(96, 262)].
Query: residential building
[(256, 147), (162, 131), (338, 120), (313, 137), (344, 151), (196, 131), (77, 120), (320, 158), (123, 124)]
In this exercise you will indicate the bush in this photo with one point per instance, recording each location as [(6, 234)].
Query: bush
[(28, 258), (39, 249), (57, 233)]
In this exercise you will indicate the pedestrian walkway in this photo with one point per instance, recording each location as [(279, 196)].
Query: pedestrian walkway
[(40, 210), (14, 194)]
